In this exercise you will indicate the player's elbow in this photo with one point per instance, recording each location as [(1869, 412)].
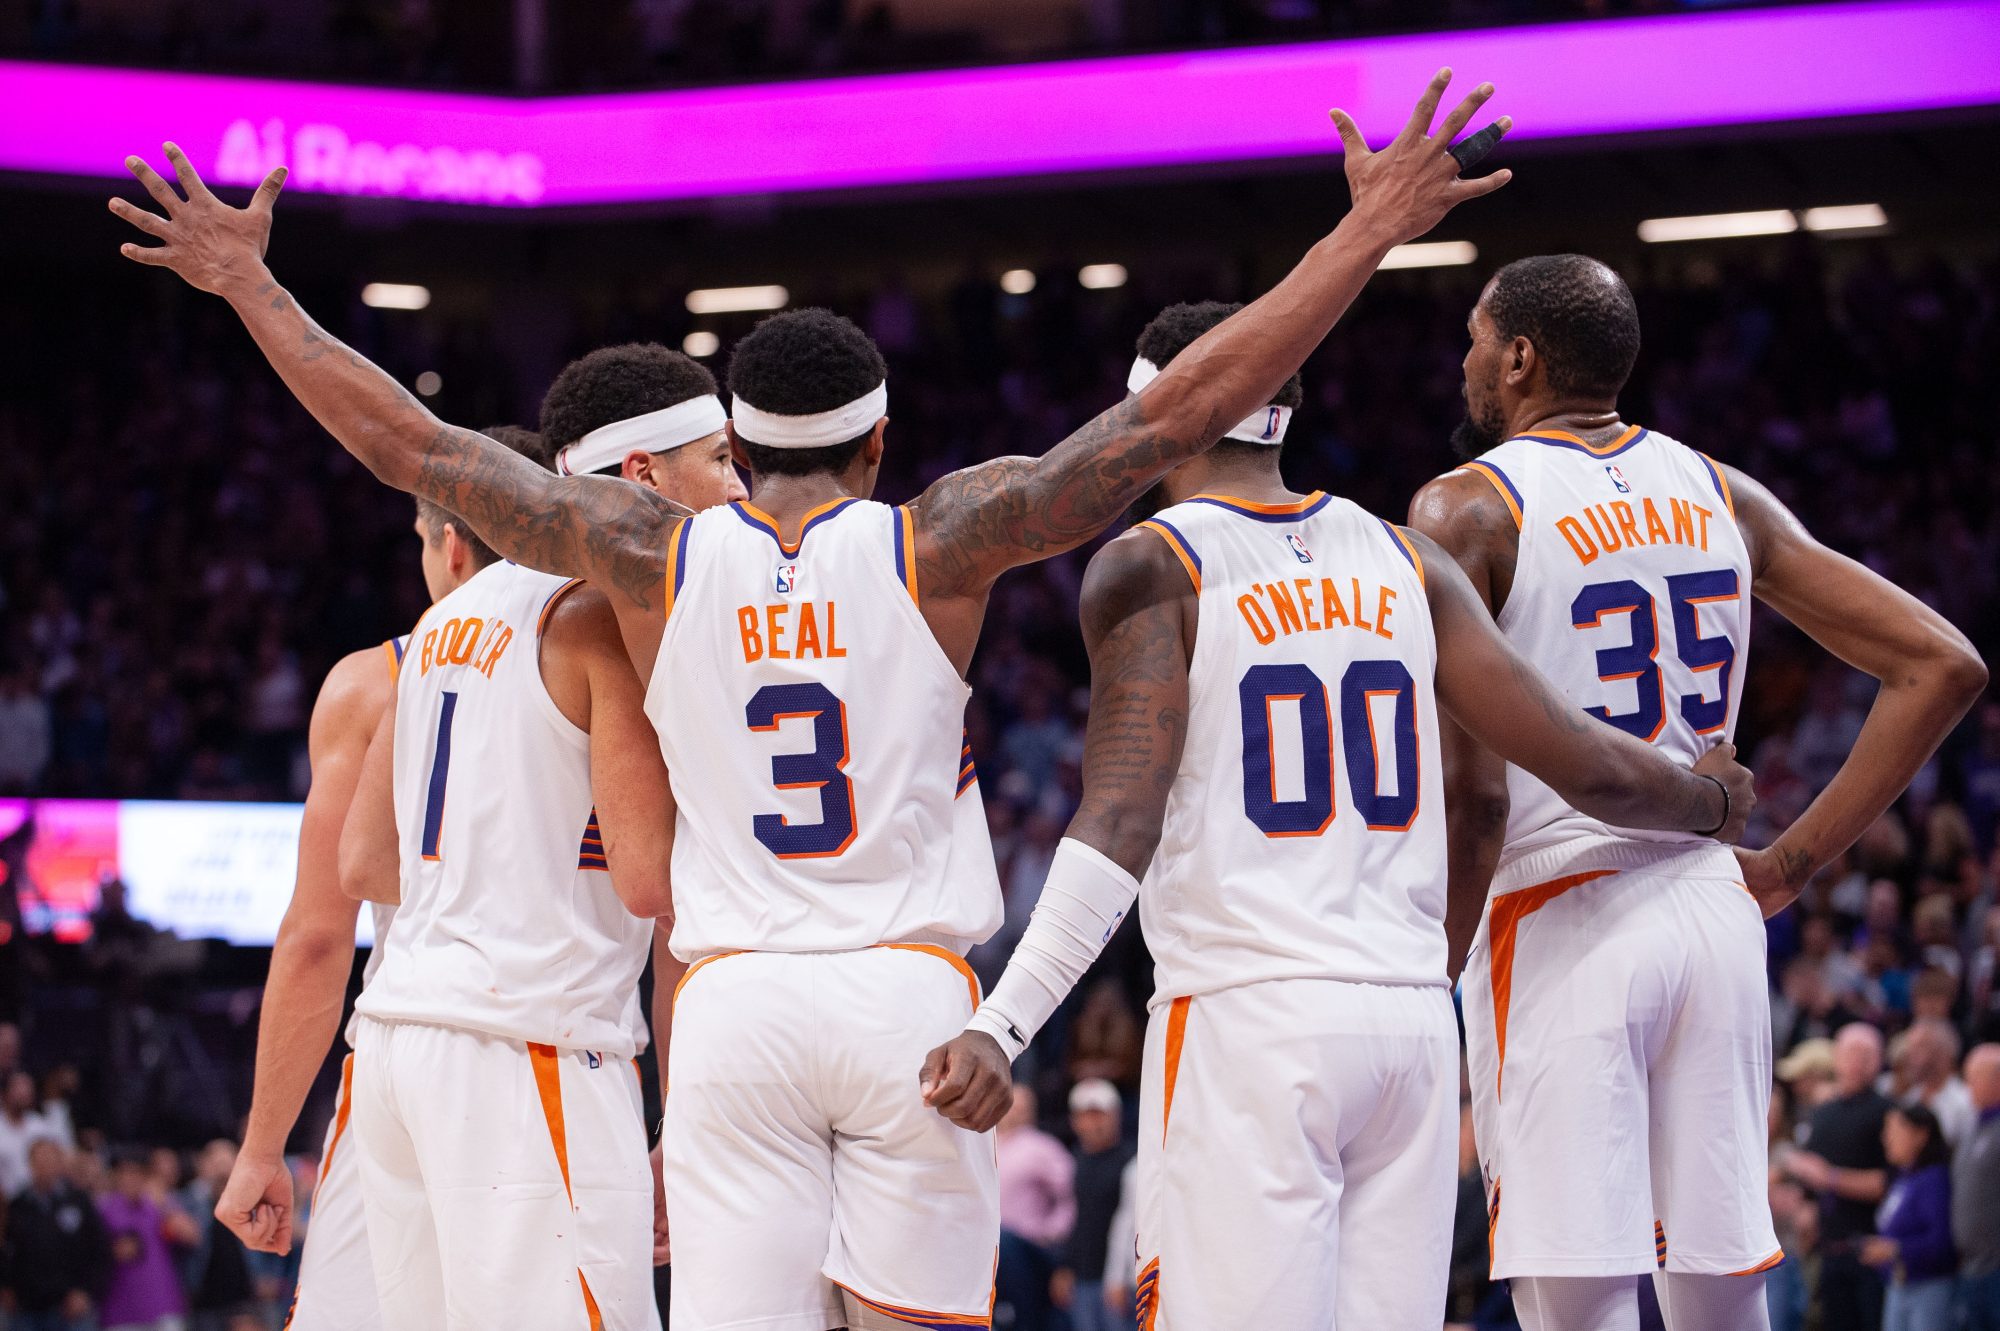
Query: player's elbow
[(368, 874), (1962, 674), (647, 893)]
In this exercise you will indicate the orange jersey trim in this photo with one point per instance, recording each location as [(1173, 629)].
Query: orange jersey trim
[(906, 553), (547, 1064), (945, 954), (1631, 433), (757, 517), (918, 1316), (339, 1120), (1498, 482), (1763, 1266), (1294, 506), (395, 661), (1502, 927), (1728, 502), (1409, 548), (1177, 1016), (689, 973), (556, 598), (1146, 1296), (1178, 544)]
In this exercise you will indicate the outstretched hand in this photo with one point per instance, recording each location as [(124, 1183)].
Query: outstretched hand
[(210, 244), (1413, 181), (256, 1204)]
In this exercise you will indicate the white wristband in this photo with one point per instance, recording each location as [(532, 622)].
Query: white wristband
[(1085, 897)]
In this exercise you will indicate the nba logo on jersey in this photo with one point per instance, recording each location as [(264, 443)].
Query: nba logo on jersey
[(1299, 550), (787, 580), (1617, 479)]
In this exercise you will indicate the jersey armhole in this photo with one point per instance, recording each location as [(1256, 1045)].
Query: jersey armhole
[(1179, 544), (394, 649), (670, 585), (1406, 547), (1498, 480), (556, 598), (904, 536), (1720, 482)]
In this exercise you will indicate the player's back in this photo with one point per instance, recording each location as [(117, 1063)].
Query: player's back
[(1304, 833), (1631, 592), (814, 731), (508, 922)]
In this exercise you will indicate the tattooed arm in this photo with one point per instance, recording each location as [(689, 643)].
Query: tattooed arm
[(1503, 702), (1138, 613), (585, 526), (974, 525), (1463, 515), (1930, 676)]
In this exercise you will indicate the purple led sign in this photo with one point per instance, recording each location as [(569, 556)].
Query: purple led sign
[(1558, 81)]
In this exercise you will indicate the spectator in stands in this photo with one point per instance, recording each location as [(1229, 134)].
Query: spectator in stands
[(1037, 1209), (1808, 1074), (57, 1249), (1930, 1056), (144, 1290), (1096, 1117), (1912, 1247), (1975, 1196), (21, 1126), (25, 733), (216, 1270), (1845, 1169), (1106, 1040)]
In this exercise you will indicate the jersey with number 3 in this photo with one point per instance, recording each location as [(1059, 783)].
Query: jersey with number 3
[(1304, 832), (814, 729), (508, 922), (1632, 594)]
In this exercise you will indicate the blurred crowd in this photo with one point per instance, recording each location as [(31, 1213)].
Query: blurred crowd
[(583, 45), (166, 615)]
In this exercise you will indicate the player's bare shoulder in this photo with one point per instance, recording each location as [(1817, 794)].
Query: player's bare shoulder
[(353, 697), (1468, 518), (1136, 572)]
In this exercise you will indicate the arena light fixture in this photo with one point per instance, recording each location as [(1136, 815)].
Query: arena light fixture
[(395, 296), (701, 343), (1017, 281), (1101, 276), (1431, 254), (430, 383), (1718, 226), (736, 300), (1845, 217)]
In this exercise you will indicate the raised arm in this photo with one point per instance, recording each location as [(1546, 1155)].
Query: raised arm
[(310, 962), (1503, 702), (1138, 613), (582, 526), (1464, 516), (975, 524), (1930, 676)]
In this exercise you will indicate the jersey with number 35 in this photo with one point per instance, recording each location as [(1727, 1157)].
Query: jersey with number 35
[(815, 733), (1632, 594), (1304, 832)]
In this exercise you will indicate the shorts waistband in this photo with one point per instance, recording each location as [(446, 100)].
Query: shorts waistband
[(1680, 859)]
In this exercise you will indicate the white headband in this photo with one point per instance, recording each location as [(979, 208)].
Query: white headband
[(655, 432), (815, 431), (1266, 426)]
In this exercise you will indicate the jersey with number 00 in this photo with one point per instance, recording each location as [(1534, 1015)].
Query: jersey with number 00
[(1304, 833), (1632, 593), (815, 733), (508, 922)]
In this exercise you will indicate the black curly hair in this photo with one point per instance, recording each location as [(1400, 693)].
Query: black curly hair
[(522, 440), (1177, 327), (1579, 314), (616, 384), (798, 363)]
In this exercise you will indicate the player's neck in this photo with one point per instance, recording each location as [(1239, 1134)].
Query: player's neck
[(787, 499), (1591, 421), (1253, 478)]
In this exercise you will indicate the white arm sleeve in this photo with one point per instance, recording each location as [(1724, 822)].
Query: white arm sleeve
[(1081, 904)]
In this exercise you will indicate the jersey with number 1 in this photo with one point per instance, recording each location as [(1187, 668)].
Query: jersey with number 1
[(814, 730), (1631, 592), (508, 922), (1304, 834)]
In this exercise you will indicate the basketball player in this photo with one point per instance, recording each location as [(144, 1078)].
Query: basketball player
[(1616, 1005), (307, 987), (1266, 672), (832, 858)]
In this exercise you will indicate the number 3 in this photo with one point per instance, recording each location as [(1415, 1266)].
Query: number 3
[(1638, 660), (822, 769)]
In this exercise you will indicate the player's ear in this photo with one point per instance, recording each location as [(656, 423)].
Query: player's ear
[(871, 452), (638, 467), (455, 550), (736, 452), (1520, 362)]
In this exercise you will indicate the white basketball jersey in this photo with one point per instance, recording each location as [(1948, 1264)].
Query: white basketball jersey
[(815, 733), (1304, 835), (1632, 593), (508, 922)]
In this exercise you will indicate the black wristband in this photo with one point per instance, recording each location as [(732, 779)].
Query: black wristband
[(1725, 805)]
